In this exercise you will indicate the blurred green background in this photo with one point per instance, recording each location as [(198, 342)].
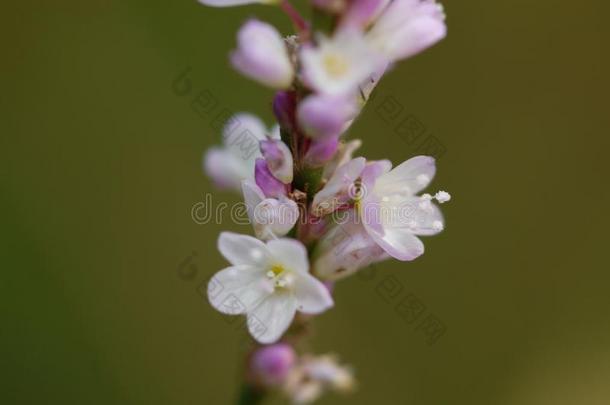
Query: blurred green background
[(101, 164)]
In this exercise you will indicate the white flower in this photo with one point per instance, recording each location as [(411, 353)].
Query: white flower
[(270, 217), (339, 64), (262, 55), (228, 165), (266, 282), (392, 213)]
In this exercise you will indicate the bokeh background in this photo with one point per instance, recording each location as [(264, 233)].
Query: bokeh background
[(101, 164)]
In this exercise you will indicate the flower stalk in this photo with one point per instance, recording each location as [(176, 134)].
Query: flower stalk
[(318, 213)]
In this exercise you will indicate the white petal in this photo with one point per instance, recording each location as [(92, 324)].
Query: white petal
[(274, 218), (238, 289), (253, 195), (422, 217), (289, 253), (400, 243), (413, 175), (243, 249), (243, 127), (226, 169), (312, 296), (270, 319), (407, 27)]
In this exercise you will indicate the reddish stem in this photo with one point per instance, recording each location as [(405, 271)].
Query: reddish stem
[(299, 22)]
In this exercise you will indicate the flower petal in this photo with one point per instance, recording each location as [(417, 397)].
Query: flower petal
[(407, 27), (422, 216), (337, 190), (243, 249), (411, 176), (312, 296), (262, 55), (238, 289), (243, 125), (229, 3), (400, 243), (270, 319), (290, 253), (226, 169)]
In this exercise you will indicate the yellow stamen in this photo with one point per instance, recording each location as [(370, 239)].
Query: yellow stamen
[(277, 269)]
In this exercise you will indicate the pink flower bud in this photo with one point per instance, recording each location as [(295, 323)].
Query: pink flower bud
[(271, 186), (323, 116), (279, 159), (271, 364), (262, 55)]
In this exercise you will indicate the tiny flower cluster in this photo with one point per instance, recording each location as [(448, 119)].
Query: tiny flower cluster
[(304, 177), (303, 379)]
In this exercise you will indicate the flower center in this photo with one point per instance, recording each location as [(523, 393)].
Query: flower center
[(335, 65), (278, 274)]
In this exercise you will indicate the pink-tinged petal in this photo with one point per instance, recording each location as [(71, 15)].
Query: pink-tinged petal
[(372, 172), (272, 317), (279, 160), (243, 249), (362, 12), (290, 254), (230, 3), (399, 243), (321, 151), (323, 116), (410, 177), (312, 295), (271, 186), (407, 27), (262, 55), (238, 289)]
